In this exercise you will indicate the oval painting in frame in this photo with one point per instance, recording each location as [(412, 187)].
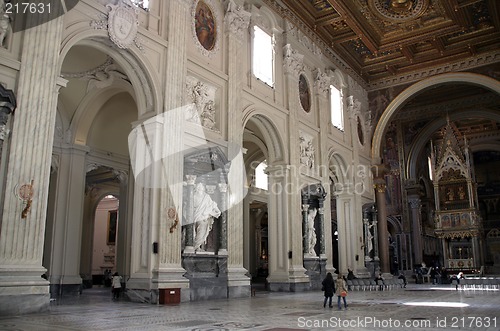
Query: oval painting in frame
[(305, 97), (205, 26)]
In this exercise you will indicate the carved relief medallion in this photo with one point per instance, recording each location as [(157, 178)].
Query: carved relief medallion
[(122, 24)]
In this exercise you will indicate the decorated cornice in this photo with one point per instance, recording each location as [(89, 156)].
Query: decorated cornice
[(407, 78), (302, 38), (327, 51), (237, 19)]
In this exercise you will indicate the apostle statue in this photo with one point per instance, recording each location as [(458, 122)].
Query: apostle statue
[(311, 231), (205, 209)]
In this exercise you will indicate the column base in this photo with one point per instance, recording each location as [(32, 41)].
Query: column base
[(23, 294), (363, 272), (238, 283), (316, 270), (207, 275)]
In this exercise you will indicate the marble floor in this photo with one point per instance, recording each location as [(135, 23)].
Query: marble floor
[(417, 307)]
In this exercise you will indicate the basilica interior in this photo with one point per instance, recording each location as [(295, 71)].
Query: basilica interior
[(205, 148)]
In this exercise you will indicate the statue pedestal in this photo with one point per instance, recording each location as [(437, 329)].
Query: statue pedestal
[(207, 274), (316, 270)]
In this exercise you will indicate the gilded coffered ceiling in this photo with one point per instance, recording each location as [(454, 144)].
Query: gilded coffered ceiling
[(380, 39)]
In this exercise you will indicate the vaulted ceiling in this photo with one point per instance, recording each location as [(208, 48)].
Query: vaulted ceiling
[(380, 39)]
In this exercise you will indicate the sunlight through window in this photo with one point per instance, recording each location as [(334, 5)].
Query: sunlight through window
[(337, 113), (261, 176), (262, 56)]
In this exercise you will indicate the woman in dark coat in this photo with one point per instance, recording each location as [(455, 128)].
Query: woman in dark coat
[(328, 288)]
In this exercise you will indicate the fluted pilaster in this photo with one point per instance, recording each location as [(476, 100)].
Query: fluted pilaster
[(236, 22), (23, 222)]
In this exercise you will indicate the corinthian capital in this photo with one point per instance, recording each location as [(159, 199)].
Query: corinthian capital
[(236, 19), (321, 82), (380, 187), (293, 62)]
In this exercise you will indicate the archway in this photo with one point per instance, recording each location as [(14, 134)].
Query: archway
[(90, 157), (263, 253), (412, 127), (344, 248)]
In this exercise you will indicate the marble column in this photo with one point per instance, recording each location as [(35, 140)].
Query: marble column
[(236, 22), (189, 214), (383, 239), (23, 221), (305, 228), (367, 238), (123, 207), (223, 218), (415, 207), (321, 220)]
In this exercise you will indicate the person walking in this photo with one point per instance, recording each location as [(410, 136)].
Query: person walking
[(116, 285), (341, 291), (329, 288)]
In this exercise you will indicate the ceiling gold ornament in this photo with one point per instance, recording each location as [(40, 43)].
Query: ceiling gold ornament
[(398, 10)]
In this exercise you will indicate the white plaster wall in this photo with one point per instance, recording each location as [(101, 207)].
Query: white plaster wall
[(100, 231)]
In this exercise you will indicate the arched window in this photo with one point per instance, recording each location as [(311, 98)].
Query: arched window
[(263, 56), (261, 177), (336, 107)]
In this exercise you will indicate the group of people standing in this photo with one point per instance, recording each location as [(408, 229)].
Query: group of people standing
[(337, 287)]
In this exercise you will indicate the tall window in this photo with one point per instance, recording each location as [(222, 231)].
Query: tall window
[(263, 56), (260, 176), (336, 108)]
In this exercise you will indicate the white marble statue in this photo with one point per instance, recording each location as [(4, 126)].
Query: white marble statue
[(312, 233), (205, 209)]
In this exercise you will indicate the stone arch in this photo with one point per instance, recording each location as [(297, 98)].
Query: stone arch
[(89, 108), (265, 19), (270, 132), (341, 170), (417, 88), (421, 140), (145, 84)]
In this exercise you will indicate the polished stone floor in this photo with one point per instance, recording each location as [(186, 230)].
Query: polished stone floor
[(417, 307)]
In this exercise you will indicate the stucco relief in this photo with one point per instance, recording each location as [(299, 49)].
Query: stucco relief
[(100, 77), (202, 97), (122, 23), (307, 150), (362, 118), (237, 19)]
